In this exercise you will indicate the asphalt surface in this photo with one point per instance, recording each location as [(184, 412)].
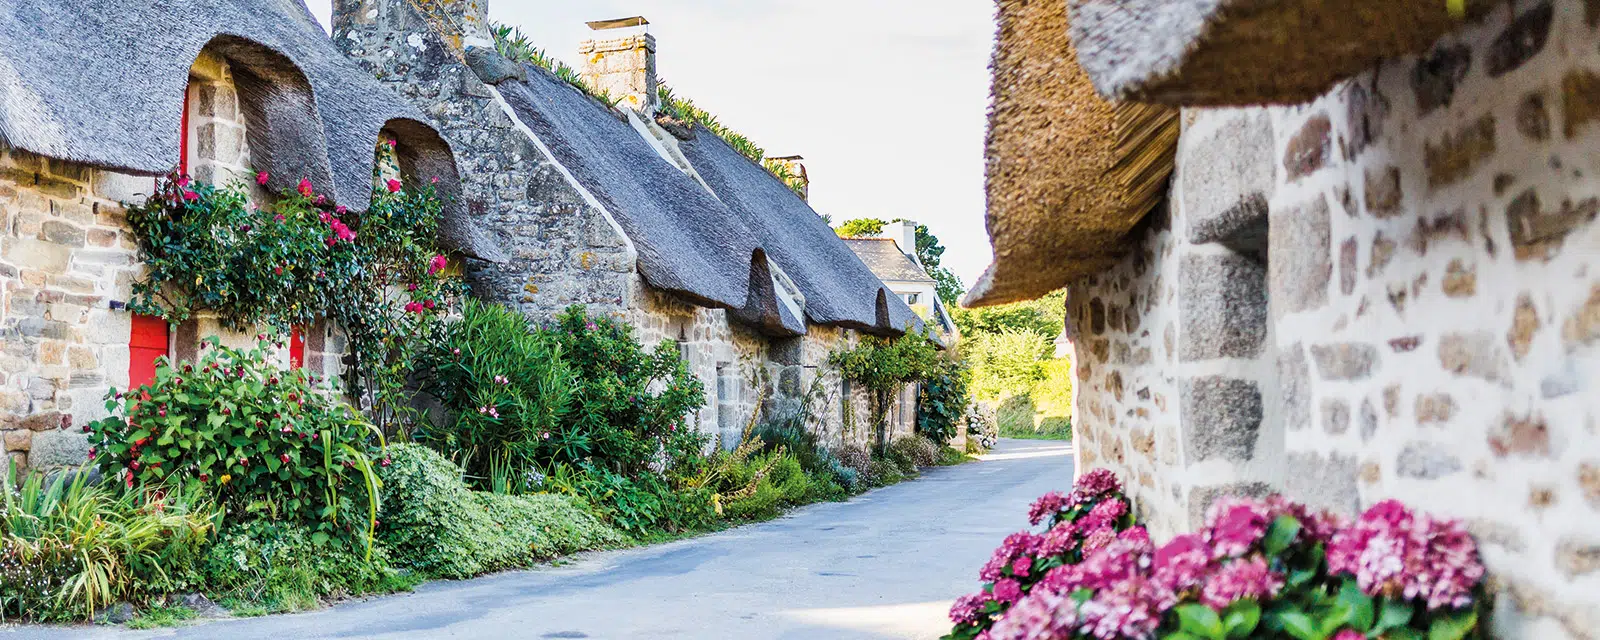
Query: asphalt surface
[(886, 564)]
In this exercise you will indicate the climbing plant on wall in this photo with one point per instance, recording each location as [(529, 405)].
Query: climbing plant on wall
[(378, 274), (882, 365)]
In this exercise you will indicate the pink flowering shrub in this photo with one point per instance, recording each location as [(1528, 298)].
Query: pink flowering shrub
[(1258, 568)]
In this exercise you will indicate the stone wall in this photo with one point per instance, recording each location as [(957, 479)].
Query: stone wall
[(562, 251), (1435, 285), (1388, 292)]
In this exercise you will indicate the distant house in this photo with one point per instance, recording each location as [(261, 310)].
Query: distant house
[(635, 214), (893, 258)]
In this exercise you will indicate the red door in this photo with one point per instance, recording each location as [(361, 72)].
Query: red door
[(297, 348), (146, 343)]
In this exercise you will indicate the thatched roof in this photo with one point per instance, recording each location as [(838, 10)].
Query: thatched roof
[(1069, 174), (1244, 52), (688, 242), (838, 288), (101, 82), (884, 257)]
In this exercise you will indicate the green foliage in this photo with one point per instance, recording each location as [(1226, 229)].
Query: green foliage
[(1053, 394), (377, 275), (631, 403), (681, 108), (157, 617), (286, 566), (911, 452), (68, 547), (788, 432), (434, 524), (1045, 316), (860, 228), (1015, 416), (506, 387), (515, 46), (1007, 363), (883, 364), (944, 400), (264, 441)]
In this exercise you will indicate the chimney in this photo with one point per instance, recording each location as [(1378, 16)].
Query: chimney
[(795, 166), (621, 61), (904, 233), (365, 27)]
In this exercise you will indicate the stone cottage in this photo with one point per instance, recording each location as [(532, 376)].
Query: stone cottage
[(631, 213), (893, 258), (98, 97), (1386, 284)]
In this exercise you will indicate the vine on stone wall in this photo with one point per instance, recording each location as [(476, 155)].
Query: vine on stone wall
[(377, 274), (883, 366)]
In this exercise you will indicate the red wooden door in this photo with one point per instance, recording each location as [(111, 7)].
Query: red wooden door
[(147, 342)]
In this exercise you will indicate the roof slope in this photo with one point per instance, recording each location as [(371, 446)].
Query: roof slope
[(101, 82), (839, 289), (688, 242), (884, 257)]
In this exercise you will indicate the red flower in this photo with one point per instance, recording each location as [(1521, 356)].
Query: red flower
[(277, 271), (391, 142), (437, 264), (340, 209), (305, 187), (394, 186), (204, 477), (411, 287), (261, 178), (284, 458), (427, 303), (182, 181), (278, 218), (190, 195)]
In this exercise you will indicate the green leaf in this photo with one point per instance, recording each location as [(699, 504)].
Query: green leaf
[(1241, 619), (1393, 614), (1280, 535), (1402, 633), (1200, 620), (1453, 626), (1359, 611), (1300, 625), (1180, 635)]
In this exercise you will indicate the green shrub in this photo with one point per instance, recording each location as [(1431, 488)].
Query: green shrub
[(1008, 363), (631, 403), (646, 505), (68, 547), (943, 401), (434, 524), (885, 472), (859, 460), (910, 452), (506, 389), (788, 432), (1015, 416), (285, 566), (259, 438), (1052, 396)]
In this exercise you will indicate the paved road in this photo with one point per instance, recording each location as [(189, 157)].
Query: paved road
[(886, 564)]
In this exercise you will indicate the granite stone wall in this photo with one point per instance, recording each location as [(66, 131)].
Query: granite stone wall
[(1388, 292)]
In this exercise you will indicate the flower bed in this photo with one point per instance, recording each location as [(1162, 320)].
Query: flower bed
[(1267, 568)]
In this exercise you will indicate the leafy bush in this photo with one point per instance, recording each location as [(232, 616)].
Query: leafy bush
[(789, 433), (1053, 395), (506, 388), (910, 452), (432, 523), (261, 439), (1015, 416), (378, 274), (883, 366), (68, 547), (645, 505), (1008, 363), (287, 566), (859, 460), (1267, 568), (944, 399), (631, 403)]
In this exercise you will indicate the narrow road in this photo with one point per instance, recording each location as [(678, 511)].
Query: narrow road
[(886, 564)]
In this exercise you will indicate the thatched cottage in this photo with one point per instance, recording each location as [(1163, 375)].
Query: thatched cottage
[(98, 97), (655, 221), (893, 258), (1387, 284)]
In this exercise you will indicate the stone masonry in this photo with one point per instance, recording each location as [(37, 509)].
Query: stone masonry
[(1388, 292)]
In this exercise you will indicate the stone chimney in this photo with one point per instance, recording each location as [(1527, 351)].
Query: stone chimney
[(904, 233), (796, 167), (621, 61), (391, 24)]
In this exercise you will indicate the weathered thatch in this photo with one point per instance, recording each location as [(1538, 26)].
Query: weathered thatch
[(688, 242), (1069, 174), (1244, 52), (839, 290), (885, 259), (101, 82)]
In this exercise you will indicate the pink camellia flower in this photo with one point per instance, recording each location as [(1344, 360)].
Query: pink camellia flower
[(322, 199), (968, 609), (437, 264), (284, 458), (428, 304), (1007, 591), (304, 187), (341, 210), (1349, 634), (433, 180), (1047, 506), (261, 178), (278, 218), (394, 185), (182, 181), (411, 287), (391, 142), (1243, 579), (190, 195)]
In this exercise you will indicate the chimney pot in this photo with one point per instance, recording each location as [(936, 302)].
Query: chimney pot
[(905, 235), (797, 167), (622, 62)]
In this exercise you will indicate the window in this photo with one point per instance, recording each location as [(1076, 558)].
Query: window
[(911, 298)]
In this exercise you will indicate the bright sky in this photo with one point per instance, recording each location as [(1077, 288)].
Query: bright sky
[(884, 98)]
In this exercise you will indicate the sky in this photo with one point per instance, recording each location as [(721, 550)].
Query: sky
[(884, 98)]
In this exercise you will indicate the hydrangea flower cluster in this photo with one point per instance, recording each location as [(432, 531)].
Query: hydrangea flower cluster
[(1091, 573), (1395, 552)]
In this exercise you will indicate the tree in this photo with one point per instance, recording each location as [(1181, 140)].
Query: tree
[(1044, 316), (1008, 363), (861, 228)]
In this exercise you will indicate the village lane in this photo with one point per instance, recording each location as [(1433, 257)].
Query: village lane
[(886, 564)]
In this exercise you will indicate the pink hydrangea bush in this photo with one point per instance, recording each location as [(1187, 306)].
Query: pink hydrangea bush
[(1258, 568)]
